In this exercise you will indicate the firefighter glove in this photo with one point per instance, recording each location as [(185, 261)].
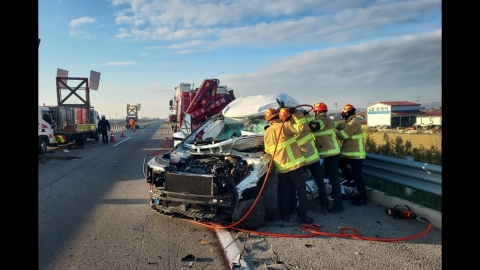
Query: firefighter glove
[(314, 125), (291, 110)]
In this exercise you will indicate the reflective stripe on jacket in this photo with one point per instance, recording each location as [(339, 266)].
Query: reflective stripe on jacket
[(288, 155), (353, 140), (325, 139), (304, 135)]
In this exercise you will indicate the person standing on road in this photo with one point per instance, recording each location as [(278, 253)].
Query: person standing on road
[(353, 152), (288, 160), (328, 147), (104, 126), (303, 122)]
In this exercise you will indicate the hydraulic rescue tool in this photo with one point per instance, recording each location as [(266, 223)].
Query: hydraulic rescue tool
[(401, 211)]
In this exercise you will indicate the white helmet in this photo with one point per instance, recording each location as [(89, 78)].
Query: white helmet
[(103, 115)]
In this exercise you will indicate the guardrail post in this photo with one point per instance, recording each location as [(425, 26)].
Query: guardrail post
[(409, 191)]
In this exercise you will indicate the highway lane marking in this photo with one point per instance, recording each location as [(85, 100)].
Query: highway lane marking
[(122, 141)]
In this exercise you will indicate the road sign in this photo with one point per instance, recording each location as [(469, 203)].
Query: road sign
[(94, 80)]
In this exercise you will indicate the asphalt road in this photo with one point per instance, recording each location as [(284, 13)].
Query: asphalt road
[(94, 213)]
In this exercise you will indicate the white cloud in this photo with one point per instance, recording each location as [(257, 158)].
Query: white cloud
[(120, 63), (122, 35), (269, 22), (144, 54), (399, 68), (81, 21), (184, 51)]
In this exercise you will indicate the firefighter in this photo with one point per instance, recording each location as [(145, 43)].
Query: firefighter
[(301, 121), (329, 150), (353, 152), (288, 160)]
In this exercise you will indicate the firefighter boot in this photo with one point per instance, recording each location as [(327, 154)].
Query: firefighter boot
[(359, 202), (337, 198), (304, 219), (322, 196)]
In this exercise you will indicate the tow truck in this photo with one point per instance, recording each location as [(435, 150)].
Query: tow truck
[(189, 108)]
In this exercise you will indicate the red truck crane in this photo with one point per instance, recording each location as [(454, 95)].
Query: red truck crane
[(191, 107)]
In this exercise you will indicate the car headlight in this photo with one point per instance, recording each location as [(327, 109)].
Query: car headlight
[(155, 166)]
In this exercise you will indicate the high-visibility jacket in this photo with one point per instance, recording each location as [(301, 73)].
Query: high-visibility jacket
[(132, 122), (325, 139), (304, 135), (353, 145), (288, 156)]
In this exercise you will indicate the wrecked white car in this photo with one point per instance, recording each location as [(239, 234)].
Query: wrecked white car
[(216, 172)]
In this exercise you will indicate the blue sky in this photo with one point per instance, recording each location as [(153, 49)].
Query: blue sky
[(358, 52)]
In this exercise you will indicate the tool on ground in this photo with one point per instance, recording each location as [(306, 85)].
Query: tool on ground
[(401, 211)]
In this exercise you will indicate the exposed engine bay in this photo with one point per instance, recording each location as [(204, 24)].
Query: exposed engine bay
[(203, 188)]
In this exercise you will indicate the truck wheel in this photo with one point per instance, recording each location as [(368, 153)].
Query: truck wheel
[(97, 136), (42, 146), (137, 127), (80, 139)]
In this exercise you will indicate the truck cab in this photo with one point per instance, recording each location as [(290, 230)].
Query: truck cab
[(45, 129), (95, 116)]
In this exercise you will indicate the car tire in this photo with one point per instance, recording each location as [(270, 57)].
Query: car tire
[(270, 194)]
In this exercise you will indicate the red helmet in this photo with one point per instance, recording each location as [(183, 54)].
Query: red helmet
[(270, 114), (320, 107), (347, 108), (283, 114)]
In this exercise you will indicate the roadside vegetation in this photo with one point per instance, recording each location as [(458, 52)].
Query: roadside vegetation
[(399, 148)]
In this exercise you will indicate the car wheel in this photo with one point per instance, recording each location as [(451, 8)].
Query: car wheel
[(270, 194)]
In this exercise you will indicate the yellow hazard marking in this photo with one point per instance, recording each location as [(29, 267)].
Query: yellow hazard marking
[(86, 127), (59, 139)]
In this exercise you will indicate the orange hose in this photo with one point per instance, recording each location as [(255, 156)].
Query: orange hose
[(311, 229), (219, 226)]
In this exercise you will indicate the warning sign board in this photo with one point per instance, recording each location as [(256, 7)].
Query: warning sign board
[(94, 80)]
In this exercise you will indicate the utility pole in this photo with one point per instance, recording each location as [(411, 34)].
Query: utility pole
[(336, 111)]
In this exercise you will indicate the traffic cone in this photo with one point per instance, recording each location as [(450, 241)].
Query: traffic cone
[(122, 134), (112, 137)]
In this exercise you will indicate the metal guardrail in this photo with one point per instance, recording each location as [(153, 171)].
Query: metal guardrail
[(408, 173)]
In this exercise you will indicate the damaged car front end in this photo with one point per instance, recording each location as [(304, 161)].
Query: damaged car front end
[(216, 172)]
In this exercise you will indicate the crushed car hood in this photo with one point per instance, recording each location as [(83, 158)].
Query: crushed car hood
[(243, 108)]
